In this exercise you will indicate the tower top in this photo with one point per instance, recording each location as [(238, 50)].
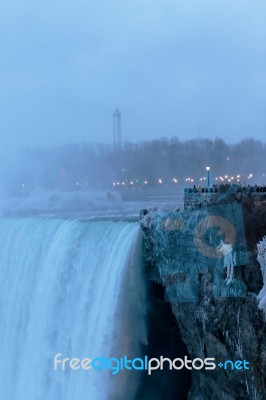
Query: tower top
[(117, 111)]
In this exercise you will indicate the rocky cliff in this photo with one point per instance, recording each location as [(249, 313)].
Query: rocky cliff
[(212, 291)]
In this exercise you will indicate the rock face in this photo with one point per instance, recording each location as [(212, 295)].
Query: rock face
[(217, 318)]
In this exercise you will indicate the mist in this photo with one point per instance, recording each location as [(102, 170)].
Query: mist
[(188, 77), (86, 176)]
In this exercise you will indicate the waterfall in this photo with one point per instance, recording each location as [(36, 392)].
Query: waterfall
[(73, 287)]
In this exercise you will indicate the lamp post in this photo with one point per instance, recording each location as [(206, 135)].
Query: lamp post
[(208, 172)]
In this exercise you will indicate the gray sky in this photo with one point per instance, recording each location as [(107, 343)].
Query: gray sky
[(170, 65)]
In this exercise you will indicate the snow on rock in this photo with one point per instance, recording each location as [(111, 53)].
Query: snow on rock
[(262, 260), (146, 217)]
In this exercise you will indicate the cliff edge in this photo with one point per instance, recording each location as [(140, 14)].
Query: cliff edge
[(205, 261)]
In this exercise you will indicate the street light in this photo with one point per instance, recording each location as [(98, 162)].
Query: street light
[(208, 171)]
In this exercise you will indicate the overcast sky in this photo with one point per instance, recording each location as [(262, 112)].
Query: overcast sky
[(174, 67)]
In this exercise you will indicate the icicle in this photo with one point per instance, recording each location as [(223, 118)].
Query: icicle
[(229, 260), (262, 260)]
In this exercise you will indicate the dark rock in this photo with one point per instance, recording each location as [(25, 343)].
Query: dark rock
[(215, 319)]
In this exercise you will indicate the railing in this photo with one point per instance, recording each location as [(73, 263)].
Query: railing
[(203, 196)]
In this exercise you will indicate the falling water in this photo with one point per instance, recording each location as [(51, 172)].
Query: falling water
[(72, 287)]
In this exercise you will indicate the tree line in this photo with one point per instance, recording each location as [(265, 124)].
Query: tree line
[(87, 166)]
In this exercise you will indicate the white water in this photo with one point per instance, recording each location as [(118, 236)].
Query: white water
[(69, 287)]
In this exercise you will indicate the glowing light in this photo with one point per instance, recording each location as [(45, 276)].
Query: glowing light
[(145, 182), (114, 183), (160, 180), (208, 168)]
